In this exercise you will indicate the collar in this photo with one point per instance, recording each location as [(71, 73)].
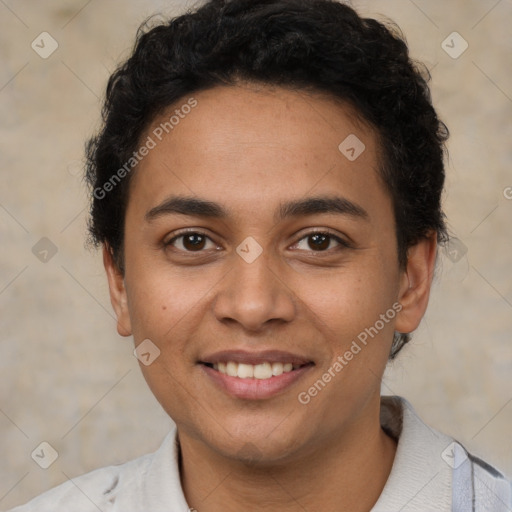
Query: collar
[(419, 477)]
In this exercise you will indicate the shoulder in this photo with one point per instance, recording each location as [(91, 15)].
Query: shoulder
[(150, 482), (478, 484), (89, 492), (435, 466)]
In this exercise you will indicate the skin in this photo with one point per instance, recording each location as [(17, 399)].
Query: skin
[(250, 148)]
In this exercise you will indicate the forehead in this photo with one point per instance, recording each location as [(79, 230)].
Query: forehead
[(248, 144)]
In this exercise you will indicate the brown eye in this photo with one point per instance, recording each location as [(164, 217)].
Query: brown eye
[(194, 241), (189, 242), (319, 241)]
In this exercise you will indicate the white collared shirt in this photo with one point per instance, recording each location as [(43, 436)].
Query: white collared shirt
[(431, 472)]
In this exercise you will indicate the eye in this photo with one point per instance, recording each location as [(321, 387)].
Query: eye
[(190, 241), (197, 241), (319, 241)]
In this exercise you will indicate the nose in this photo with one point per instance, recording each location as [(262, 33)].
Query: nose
[(254, 295)]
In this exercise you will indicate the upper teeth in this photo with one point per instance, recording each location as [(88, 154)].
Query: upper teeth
[(256, 371)]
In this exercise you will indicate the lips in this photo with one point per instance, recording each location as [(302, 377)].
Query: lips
[(264, 370), (254, 375), (254, 358)]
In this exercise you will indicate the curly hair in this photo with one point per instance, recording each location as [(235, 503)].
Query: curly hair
[(310, 45)]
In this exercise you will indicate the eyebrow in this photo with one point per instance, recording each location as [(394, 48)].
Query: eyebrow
[(193, 206)]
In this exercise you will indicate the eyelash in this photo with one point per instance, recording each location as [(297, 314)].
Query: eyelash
[(343, 244)]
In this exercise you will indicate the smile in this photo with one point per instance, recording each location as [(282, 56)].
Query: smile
[(259, 371), (250, 376)]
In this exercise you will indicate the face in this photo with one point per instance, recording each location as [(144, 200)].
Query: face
[(278, 256)]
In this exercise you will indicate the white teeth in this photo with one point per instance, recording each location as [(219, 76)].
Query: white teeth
[(245, 371), (232, 369), (277, 368), (258, 371), (263, 371)]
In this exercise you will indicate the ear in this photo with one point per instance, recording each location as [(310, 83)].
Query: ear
[(117, 293), (415, 283)]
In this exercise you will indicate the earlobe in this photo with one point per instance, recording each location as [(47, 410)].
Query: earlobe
[(415, 284), (117, 292)]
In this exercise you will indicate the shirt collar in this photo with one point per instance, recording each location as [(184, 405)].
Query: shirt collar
[(419, 477)]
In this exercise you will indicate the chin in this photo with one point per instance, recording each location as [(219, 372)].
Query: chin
[(261, 445)]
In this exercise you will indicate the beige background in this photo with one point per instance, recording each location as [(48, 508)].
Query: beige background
[(67, 377)]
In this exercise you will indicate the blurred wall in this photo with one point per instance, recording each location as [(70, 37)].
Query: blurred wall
[(67, 378)]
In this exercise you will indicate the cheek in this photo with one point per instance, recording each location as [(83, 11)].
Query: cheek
[(165, 308), (349, 303), (352, 298), (166, 381), (167, 305)]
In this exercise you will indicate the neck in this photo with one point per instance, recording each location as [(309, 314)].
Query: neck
[(345, 472)]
